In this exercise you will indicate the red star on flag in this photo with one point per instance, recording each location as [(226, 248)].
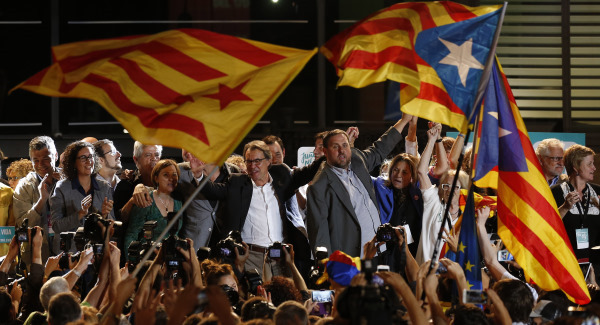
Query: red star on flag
[(226, 95)]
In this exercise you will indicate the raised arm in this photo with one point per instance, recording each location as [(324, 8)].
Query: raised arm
[(441, 163), (411, 146), (456, 149), (487, 251), (423, 168)]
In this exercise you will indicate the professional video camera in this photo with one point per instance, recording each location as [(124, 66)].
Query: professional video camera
[(137, 249), (276, 250), (22, 232), (226, 247), (387, 233), (369, 304), (173, 257), (93, 231), (317, 270)]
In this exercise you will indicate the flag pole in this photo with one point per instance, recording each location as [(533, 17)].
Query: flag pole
[(172, 222), (483, 83)]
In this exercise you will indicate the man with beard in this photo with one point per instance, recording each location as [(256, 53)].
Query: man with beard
[(30, 200), (145, 158), (110, 162), (342, 212)]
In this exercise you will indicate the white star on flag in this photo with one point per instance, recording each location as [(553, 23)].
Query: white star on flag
[(461, 57), (501, 132)]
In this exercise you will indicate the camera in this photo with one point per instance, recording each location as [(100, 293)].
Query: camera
[(173, 257), (387, 233), (134, 254), (232, 295), (98, 249), (226, 247), (276, 250), (253, 280), (23, 232), (94, 232), (66, 238), (474, 297), (149, 227), (317, 270), (79, 239), (63, 263), (369, 304)]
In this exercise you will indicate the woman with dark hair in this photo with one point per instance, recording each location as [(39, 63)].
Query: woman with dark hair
[(399, 199), (577, 202), (80, 192), (165, 176)]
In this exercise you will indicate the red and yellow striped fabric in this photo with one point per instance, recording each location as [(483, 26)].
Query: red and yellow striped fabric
[(187, 88), (382, 46), (528, 219)]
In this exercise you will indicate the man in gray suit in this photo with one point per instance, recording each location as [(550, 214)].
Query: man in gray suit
[(199, 218), (342, 212)]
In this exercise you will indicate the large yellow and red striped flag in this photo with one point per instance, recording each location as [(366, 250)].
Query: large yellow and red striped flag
[(186, 88), (528, 219), (436, 50)]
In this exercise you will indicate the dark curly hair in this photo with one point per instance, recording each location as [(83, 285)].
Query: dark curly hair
[(70, 159), (282, 289)]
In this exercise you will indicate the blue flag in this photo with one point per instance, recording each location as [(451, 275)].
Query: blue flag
[(467, 253)]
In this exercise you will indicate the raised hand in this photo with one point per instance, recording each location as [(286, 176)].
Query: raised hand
[(107, 206), (86, 203)]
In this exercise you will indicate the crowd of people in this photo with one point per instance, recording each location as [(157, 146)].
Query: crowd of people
[(347, 239)]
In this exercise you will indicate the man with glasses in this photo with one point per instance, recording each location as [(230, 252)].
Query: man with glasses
[(550, 154), (145, 158), (255, 202), (30, 200), (110, 162)]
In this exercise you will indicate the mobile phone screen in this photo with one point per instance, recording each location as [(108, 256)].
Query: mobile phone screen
[(321, 295)]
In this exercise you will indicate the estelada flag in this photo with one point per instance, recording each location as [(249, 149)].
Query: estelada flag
[(185, 88), (528, 219), (435, 50)]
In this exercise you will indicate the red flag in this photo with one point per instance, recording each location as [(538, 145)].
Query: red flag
[(181, 88)]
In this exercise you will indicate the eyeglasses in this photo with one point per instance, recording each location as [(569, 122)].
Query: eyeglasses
[(112, 153), (446, 187), (556, 159), (152, 155), (254, 162), (85, 158)]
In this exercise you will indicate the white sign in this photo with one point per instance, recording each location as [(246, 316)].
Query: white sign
[(305, 156)]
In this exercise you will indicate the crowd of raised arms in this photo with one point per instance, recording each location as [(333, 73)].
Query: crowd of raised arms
[(347, 239)]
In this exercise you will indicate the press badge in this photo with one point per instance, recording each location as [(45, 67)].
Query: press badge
[(583, 241)]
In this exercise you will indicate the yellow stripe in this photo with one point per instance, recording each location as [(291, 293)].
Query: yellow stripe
[(433, 111), (528, 262), (533, 220), (359, 78), (374, 43), (405, 13), (430, 76)]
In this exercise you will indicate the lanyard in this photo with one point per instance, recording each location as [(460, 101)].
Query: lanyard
[(583, 209)]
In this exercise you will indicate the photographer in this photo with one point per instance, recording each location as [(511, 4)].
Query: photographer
[(32, 283), (397, 256)]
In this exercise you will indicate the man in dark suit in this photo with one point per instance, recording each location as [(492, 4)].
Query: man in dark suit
[(255, 202), (342, 212)]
